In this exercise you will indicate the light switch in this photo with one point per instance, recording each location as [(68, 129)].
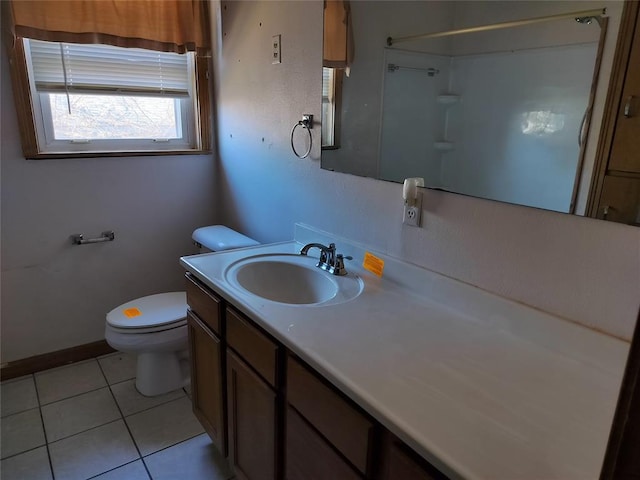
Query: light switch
[(275, 44)]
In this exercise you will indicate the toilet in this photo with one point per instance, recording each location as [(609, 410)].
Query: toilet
[(155, 327)]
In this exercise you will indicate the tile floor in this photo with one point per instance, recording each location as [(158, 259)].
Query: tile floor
[(87, 420)]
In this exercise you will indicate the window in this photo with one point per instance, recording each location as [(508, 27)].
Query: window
[(331, 107), (91, 98)]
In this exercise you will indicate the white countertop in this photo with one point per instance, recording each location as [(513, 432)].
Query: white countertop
[(480, 386)]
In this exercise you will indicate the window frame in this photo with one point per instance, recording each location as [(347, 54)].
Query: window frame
[(31, 121)]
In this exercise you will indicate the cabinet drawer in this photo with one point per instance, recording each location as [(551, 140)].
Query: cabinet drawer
[(206, 305), (309, 457), (255, 347), (340, 423)]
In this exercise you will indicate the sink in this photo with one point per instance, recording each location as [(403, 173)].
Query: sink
[(291, 279)]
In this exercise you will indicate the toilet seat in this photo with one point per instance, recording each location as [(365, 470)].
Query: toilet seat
[(153, 313), (143, 330)]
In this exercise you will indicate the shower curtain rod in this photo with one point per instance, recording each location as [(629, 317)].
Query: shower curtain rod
[(495, 26)]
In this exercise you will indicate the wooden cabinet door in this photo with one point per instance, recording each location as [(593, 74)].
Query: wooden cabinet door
[(625, 152), (619, 145), (620, 200), (399, 462), (252, 422), (403, 466), (207, 380), (309, 456), (339, 422)]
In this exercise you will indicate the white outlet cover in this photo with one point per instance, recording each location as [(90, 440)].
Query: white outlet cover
[(412, 214), (276, 46)]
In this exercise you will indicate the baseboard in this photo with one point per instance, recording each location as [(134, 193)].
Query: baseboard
[(58, 358)]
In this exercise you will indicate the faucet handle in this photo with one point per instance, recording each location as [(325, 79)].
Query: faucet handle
[(339, 265), (331, 254)]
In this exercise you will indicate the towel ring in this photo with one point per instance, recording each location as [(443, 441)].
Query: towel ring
[(306, 123)]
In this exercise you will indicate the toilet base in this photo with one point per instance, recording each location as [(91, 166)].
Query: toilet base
[(161, 372)]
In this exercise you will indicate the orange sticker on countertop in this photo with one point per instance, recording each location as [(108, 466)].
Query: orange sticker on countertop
[(372, 263), (131, 312)]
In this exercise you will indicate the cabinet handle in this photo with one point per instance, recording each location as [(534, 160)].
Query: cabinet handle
[(627, 106)]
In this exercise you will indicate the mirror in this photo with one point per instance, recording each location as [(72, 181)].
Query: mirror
[(501, 112)]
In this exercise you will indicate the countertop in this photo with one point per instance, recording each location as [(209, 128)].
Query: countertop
[(480, 386)]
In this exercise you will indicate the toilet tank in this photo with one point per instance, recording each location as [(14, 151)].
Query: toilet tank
[(216, 238)]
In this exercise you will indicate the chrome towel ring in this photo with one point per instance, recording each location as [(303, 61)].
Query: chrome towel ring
[(306, 123)]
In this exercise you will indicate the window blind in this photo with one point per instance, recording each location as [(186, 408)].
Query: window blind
[(94, 68), (327, 84)]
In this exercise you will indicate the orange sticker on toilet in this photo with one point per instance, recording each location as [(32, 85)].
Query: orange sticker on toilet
[(131, 312)]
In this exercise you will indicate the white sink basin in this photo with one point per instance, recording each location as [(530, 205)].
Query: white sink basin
[(291, 279)]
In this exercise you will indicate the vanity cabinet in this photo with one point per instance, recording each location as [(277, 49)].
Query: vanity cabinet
[(253, 436), (309, 456), (254, 346), (252, 398), (207, 362), (615, 191), (398, 461), (317, 414), (279, 418)]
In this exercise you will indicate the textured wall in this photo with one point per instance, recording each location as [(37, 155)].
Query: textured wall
[(585, 270), (55, 295)]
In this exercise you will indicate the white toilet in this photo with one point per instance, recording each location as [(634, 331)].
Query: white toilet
[(155, 327)]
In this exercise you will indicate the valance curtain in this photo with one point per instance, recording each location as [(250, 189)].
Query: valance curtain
[(163, 25), (338, 35)]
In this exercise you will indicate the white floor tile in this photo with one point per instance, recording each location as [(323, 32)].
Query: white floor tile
[(118, 367), (63, 382), (131, 401), (163, 426), (31, 465), (18, 395), (131, 471), (92, 452), (77, 414), (21, 432), (194, 459)]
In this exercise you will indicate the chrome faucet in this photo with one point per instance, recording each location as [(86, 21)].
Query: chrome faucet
[(329, 260)]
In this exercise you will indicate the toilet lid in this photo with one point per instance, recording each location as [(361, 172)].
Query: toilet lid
[(219, 237), (151, 311)]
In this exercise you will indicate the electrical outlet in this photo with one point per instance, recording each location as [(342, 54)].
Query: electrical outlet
[(412, 214), (275, 48)]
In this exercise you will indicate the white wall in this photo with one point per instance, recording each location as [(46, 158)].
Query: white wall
[(55, 295), (582, 269)]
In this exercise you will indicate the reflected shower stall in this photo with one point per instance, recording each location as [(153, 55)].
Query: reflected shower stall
[(499, 112)]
